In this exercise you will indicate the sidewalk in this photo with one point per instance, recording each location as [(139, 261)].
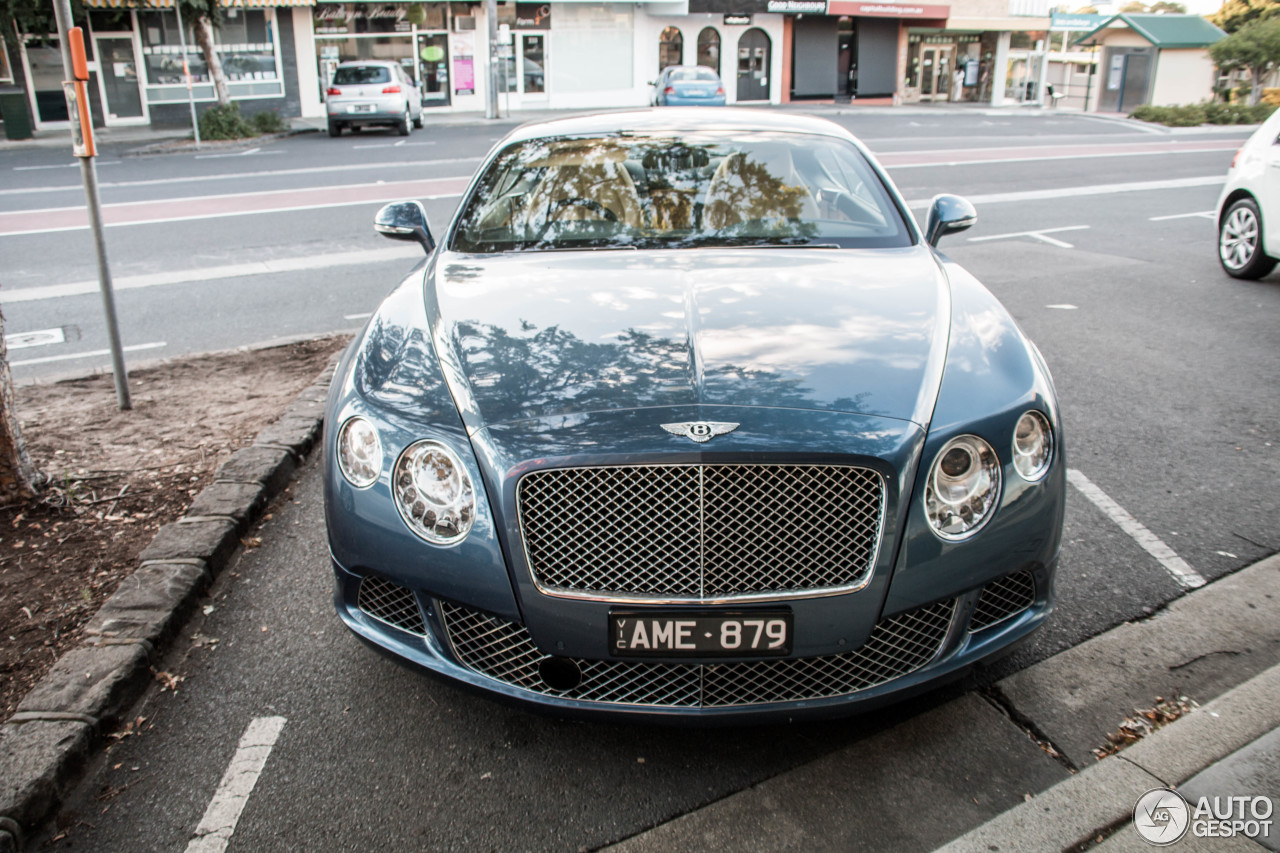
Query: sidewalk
[(917, 785)]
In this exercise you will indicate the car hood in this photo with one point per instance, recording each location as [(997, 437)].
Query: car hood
[(541, 334)]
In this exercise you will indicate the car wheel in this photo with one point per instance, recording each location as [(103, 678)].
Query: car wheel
[(355, 128), (1240, 246), (335, 129), (417, 122), (406, 123)]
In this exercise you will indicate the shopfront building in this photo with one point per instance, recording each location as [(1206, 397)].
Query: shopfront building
[(136, 63), (740, 40)]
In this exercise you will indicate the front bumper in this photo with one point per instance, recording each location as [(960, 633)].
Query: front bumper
[(905, 653)]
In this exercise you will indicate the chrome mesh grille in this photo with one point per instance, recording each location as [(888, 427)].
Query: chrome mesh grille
[(390, 603), (504, 651), (1003, 598), (701, 531)]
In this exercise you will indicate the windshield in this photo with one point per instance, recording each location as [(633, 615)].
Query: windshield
[(350, 75), (692, 74), (679, 191)]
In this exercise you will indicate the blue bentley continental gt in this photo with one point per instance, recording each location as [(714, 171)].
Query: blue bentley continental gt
[(684, 417)]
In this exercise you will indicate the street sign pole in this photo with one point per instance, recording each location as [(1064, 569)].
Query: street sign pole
[(491, 103), (186, 72), (77, 73)]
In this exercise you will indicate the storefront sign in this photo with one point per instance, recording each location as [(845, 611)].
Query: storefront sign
[(1062, 22), (737, 20), (463, 48), (887, 10), (798, 7), (533, 16)]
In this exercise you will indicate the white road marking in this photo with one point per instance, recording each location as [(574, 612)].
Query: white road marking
[(236, 154), (44, 337), (1063, 307), (63, 166), (1186, 577), (220, 819), (1200, 214), (389, 145), (225, 215), (268, 267), (357, 316), (309, 170), (91, 354), (1045, 158), (1038, 234), (1095, 189)]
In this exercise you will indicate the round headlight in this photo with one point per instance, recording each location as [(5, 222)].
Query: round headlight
[(1032, 446), (359, 452), (434, 493), (963, 487)]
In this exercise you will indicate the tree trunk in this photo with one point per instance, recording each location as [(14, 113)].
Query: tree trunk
[(17, 478), (204, 37), (1255, 85)]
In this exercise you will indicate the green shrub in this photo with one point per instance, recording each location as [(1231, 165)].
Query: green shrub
[(219, 122), (1210, 112), (268, 122)]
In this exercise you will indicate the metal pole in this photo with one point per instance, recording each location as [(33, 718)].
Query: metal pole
[(88, 171), (186, 72), (491, 103)]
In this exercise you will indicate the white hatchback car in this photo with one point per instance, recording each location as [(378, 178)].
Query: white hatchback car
[(371, 92), (1249, 207)]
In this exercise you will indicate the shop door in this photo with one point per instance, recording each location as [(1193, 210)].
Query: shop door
[(1133, 91), (533, 65), (753, 66), (935, 73), (433, 69), (118, 79)]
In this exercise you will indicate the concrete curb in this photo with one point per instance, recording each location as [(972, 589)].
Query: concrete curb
[(1101, 797), (46, 745)]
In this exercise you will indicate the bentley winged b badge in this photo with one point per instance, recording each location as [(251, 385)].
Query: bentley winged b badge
[(700, 431)]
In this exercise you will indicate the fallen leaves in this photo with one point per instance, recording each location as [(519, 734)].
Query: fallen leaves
[(1144, 721), (168, 681)]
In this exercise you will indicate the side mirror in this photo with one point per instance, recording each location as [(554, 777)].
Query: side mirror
[(949, 214), (405, 220)]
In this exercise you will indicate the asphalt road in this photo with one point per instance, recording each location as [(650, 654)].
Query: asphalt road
[(1165, 367)]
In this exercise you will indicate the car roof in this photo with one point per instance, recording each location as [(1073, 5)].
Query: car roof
[(684, 119)]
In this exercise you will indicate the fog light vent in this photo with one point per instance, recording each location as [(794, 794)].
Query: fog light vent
[(1002, 599), (390, 603)]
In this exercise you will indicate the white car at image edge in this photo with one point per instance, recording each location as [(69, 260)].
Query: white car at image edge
[(1249, 207)]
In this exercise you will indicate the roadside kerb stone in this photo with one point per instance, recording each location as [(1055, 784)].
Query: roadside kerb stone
[(1103, 795), (1199, 646), (99, 682), (212, 540), (40, 763), (47, 743), (240, 502), (151, 603), (273, 467)]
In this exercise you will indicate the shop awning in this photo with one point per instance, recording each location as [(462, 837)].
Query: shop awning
[(887, 10), (168, 4)]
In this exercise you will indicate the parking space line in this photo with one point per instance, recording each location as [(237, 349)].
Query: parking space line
[(1199, 214), (1183, 574), (71, 356), (220, 819), (1038, 234)]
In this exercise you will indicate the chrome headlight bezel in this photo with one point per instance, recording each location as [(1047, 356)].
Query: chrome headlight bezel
[(444, 515), (359, 458), (947, 495), (1032, 465)]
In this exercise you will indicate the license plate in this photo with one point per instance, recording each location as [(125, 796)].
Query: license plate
[(656, 634), (360, 108)]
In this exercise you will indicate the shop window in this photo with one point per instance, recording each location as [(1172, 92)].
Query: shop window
[(670, 48), (709, 49), (245, 43)]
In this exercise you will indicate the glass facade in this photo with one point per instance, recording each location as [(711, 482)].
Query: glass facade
[(245, 42)]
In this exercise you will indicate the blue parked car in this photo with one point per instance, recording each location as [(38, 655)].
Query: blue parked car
[(687, 86), (684, 417)]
